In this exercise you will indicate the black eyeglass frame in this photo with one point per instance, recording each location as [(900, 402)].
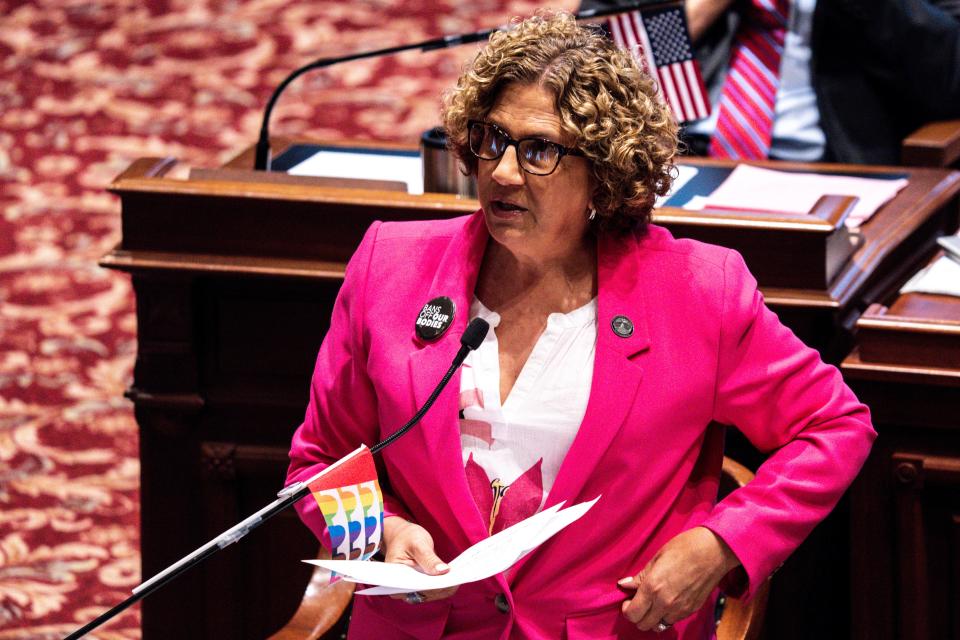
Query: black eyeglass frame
[(510, 142)]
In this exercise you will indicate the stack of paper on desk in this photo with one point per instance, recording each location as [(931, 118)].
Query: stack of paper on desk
[(749, 188), (941, 278), (487, 558)]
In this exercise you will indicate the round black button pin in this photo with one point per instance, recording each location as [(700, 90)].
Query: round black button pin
[(622, 326), (500, 601), (435, 317)]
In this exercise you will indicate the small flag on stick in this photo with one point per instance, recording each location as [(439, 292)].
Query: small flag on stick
[(660, 41), (352, 505)]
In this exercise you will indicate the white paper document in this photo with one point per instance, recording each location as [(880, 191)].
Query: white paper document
[(755, 189), (951, 244), (940, 278), (361, 164), (487, 558)]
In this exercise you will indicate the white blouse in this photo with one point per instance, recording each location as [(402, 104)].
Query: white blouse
[(512, 451)]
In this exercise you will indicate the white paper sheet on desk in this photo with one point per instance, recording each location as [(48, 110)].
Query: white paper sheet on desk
[(756, 189), (941, 278), (364, 164), (487, 558)]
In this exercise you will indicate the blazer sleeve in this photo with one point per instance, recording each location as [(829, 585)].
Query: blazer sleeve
[(342, 411), (785, 400)]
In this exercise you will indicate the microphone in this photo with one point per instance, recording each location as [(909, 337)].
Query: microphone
[(472, 337), (262, 158)]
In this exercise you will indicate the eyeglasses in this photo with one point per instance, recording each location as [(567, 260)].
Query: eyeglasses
[(537, 156)]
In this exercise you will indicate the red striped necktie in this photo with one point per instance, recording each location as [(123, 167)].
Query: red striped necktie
[(745, 120)]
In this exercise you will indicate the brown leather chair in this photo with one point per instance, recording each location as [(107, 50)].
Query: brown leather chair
[(323, 612)]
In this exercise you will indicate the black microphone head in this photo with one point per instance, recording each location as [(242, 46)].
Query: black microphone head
[(474, 334)]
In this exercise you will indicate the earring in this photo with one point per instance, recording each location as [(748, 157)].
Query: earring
[(593, 214)]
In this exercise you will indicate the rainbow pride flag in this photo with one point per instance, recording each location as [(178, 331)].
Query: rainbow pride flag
[(352, 505)]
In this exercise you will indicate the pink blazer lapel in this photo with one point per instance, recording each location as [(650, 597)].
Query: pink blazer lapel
[(456, 278), (617, 372)]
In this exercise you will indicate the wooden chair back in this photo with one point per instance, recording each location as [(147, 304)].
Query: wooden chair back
[(740, 620)]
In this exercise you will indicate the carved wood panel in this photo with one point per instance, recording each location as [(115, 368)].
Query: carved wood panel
[(927, 509)]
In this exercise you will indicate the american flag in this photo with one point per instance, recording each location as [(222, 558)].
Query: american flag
[(659, 40)]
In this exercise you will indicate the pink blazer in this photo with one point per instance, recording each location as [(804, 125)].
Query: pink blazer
[(704, 348)]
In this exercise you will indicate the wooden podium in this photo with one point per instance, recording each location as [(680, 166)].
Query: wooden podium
[(235, 273), (906, 502)]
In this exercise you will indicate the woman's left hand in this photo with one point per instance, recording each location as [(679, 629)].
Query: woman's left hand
[(678, 579), (412, 545)]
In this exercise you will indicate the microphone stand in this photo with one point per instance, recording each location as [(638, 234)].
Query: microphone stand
[(262, 158), (470, 340)]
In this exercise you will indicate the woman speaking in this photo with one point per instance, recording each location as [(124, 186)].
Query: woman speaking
[(614, 352)]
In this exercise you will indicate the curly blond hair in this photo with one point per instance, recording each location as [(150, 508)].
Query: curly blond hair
[(605, 101)]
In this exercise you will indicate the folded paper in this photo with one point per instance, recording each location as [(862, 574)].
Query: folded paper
[(487, 558)]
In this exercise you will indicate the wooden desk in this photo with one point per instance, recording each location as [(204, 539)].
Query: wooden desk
[(232, 303), (905, 531)]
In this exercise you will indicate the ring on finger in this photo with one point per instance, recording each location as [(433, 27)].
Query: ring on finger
[(415, 597), (662, 626)]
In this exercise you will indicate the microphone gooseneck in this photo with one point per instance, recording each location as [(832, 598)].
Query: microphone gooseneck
[(261, 160), (472, 337), (474, 334)]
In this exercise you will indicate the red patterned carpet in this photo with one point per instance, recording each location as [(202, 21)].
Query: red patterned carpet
[(86, 87)]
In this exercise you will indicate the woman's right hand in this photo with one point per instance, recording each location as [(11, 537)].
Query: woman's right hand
[(412, 545)]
